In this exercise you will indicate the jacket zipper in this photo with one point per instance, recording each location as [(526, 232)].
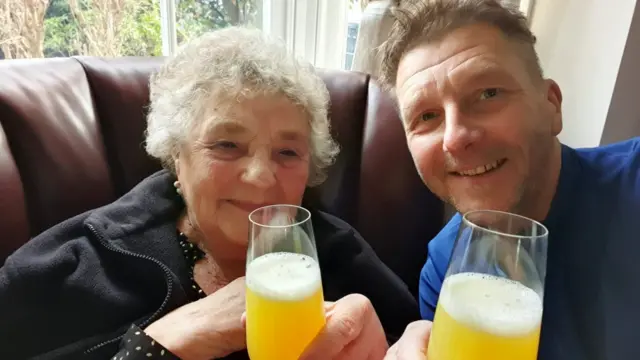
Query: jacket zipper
[(167, 274)]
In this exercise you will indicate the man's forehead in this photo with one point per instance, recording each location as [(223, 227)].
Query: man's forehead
[(454, 49)]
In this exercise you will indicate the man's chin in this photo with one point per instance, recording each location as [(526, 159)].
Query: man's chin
[(467, 205)]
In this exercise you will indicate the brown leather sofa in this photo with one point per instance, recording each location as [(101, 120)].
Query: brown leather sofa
[(71, 133)]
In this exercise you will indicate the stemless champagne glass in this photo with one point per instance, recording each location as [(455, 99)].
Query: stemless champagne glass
[(490, 304), (284, 299)]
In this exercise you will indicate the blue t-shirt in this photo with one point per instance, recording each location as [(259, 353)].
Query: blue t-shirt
[(592, 291)]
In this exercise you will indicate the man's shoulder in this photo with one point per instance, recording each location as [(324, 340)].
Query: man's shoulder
[(434, 270), (615, 157), (625, 146), (441, 245)]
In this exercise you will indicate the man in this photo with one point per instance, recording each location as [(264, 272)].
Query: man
[(481, 123)]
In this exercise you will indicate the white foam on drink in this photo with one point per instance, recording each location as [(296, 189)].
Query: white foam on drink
[(492, 304), (284, 276)]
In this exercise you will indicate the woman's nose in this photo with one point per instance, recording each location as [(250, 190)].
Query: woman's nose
[(260, 172)]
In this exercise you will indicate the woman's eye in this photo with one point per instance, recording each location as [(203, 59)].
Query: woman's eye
[(430, 115), (489, 93), (225, 145)]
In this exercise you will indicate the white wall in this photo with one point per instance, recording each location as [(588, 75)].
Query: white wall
[(580, 44)]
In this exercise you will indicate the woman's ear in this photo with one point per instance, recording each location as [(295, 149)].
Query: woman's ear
[(176, 164), (176, 184)]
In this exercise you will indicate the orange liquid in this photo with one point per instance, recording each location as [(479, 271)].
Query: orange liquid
[(280, 325), (463, 330)]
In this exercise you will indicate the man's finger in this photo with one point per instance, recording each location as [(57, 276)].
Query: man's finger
[(371, 344), (344, 324), (419, 332), (413, 343)]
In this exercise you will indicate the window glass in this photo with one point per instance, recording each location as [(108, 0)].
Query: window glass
[(195, 17)]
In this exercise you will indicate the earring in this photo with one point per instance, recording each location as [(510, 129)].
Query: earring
[(176, 184)]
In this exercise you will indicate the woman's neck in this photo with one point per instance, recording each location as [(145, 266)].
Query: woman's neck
[(211, 277), (213, 271)]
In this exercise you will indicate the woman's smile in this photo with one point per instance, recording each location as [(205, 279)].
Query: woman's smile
[(246, 206)]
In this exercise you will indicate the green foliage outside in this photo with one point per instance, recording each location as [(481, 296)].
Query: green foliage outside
[(89, 30)]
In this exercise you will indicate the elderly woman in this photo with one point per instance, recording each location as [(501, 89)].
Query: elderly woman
[(159, 273)]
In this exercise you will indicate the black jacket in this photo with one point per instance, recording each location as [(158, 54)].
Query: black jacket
[(74, 290)]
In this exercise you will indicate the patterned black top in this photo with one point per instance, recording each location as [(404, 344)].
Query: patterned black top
[(136, 344), (192, 253)]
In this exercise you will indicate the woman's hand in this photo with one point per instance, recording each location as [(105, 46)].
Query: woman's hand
[(207, 328), (352, 332), (413, 343)]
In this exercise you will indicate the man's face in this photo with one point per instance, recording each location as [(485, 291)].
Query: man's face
[(480, 127)]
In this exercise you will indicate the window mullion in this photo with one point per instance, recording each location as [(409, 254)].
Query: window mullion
[(168, 29)]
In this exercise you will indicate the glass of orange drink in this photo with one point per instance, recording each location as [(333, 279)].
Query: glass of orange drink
[(490, 304), (284, 298)]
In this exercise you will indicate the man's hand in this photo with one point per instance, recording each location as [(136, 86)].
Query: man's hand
[(352, 332), (413, 343)]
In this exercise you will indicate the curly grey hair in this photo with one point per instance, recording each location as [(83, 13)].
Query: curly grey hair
[(223, 66)]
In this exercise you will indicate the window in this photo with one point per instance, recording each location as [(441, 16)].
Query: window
[(195, 17), (52, 28), (352, 36), (353, 25), (315, 30), (321, 31), (526, 6)]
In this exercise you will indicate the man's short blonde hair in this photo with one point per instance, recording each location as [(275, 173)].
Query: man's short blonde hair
[(423, 21)]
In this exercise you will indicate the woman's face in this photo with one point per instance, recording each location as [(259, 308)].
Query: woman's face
[(254, 154)]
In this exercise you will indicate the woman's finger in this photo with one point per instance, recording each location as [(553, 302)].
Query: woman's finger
[(243, 319), (328, 308)]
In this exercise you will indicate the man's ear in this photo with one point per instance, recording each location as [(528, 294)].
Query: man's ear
[(554, 101)]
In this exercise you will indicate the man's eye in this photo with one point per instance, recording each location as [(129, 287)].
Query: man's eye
[(430, 115), (288, 153), (489, 93)]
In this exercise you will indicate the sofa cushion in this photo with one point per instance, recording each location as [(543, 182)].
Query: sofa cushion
[(54, 139)]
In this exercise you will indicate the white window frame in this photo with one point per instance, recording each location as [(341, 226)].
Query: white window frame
[(526, 7), (168, 29), (315, 30)]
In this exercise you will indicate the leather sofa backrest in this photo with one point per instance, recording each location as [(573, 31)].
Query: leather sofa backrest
[(71, 139)]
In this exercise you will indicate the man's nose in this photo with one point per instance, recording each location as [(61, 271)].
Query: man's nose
[(260, 171), (460, 131)]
